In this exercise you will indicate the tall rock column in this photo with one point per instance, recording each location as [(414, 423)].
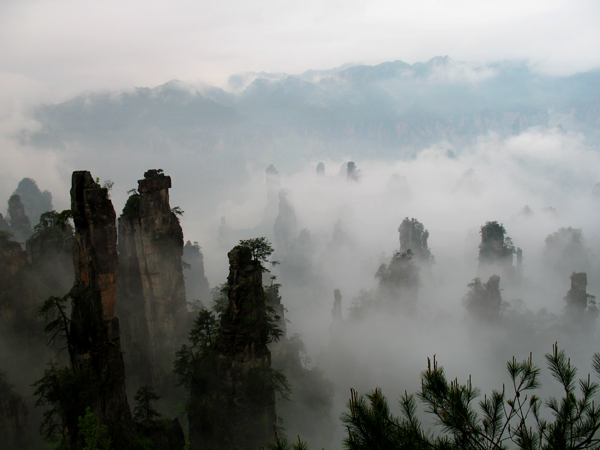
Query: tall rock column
[(94, 331), (336, 313), (20, 225), (244, 361), (152, 300), (12, 259), (414, 236)]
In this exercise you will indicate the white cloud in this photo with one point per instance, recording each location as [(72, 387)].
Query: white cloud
[(70, 46)]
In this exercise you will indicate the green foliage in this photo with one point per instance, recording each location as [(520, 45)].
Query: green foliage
[(417, 227), (55, 312), (142, 443), (92, 433), (370, 424), (401, 271), (262, 380), (143, 404), (499, 421), (64, 394), (52, 219), (196, 367), (364, 302), (6, 236), (575, 420), (495, 246), (261, 249), (192, 360), (268, 323), (53, 233), (483, 299), (177, 211), (220, 297), (282, 443), (131, 206), (108, 185)]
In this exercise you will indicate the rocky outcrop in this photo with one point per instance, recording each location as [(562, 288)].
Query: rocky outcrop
[(35, 201), (413, 237), (151, 288), (50, 253), (20, 225), (399, 282), (273, 183), (581, 307), (96, 357), (321, 169), (352, 173), (285, 228), (336, 313), (12, 259), (577, 297), (496, 250), (4, 226), (566, 251), (196, 283), (14, 432), (484, 300), (339, 238), (27, 279), (274, 301), (519, 270), (244, 360), (45, 269)]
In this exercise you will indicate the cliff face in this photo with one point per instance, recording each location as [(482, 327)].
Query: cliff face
[(12, 259), (4, 226), (94, 331), (273, 300), (13, 419), (15, 292), (50, 253), (244, 361), (152, 299), (27, 278)]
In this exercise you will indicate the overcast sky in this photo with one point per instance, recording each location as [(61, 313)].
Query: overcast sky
[(57, 48)]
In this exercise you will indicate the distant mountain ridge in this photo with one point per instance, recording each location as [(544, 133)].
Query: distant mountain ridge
[(392, 109)]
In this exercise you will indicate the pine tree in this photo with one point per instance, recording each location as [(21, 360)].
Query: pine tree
[(143, 404)]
